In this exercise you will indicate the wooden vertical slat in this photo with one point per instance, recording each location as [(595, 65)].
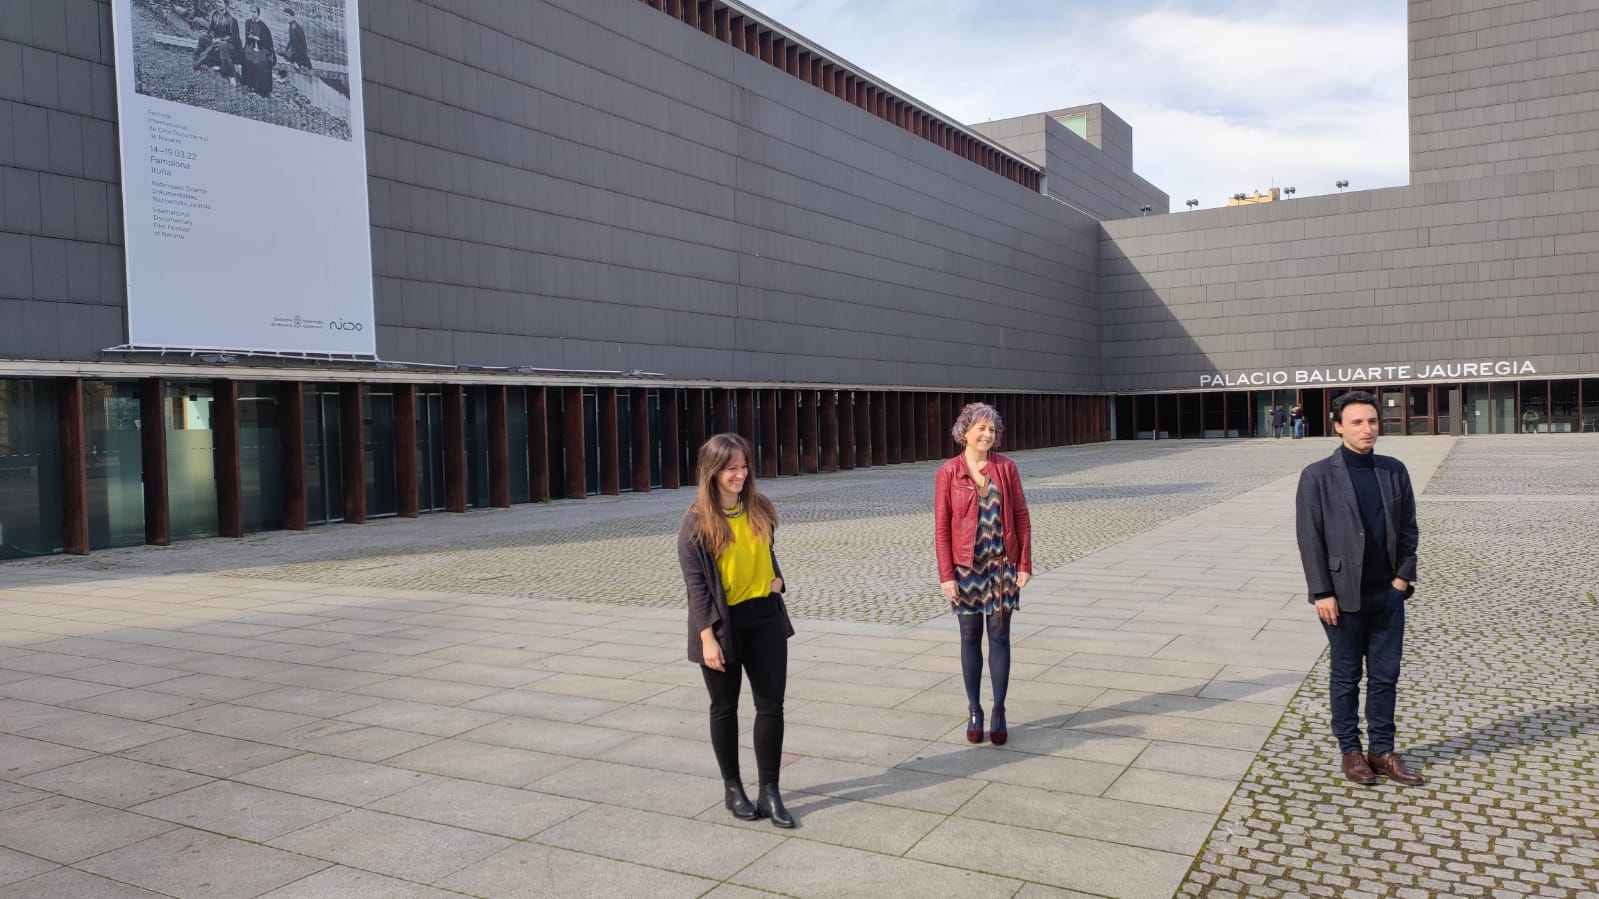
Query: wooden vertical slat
[(827, 441), (721, 411), (768, 427), (225, 452), (499, 447), (671, 440), (454, 403), (695, 432), (809, 433), (879, 427), (291, 405), (639, 444), (746, 417), (610, 464), (891, 426), (538, 444), (153, 446), (352, 453), (73, 449), (863, 429), (576, 448), (407, 467), (789, 434), (846, 430)]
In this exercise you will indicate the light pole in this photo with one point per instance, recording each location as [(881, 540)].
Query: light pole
[(1192, 204), (1144, 210), (1288, 191), (1340, 184)]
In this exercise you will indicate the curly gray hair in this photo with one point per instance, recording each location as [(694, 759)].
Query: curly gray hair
[(971, 415)]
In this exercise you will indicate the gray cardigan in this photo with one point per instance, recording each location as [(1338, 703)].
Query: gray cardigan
[(707, 603), (1332, 540)]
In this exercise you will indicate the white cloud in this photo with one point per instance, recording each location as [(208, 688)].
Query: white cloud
[(1222, 97)]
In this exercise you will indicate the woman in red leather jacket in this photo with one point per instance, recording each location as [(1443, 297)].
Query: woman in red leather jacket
[(985, 556)]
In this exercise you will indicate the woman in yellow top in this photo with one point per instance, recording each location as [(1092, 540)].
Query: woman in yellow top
[(736, 616)]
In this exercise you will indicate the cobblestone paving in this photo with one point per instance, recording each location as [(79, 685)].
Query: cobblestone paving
[(1498, 707), (623, 551)]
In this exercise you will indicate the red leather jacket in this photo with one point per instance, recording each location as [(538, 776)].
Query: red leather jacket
[(955, 515)]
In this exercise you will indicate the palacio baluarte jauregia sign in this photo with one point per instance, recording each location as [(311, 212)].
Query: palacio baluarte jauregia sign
[(1370, 374)]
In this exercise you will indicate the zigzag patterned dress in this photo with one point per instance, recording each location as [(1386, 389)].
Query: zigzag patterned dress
[(990, 584)]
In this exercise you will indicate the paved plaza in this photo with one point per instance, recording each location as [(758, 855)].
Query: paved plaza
[(497, 705)]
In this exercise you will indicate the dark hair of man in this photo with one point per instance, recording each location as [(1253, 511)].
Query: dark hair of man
[(1352, 398)]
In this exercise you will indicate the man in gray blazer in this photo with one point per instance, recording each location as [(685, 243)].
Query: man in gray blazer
[(1357, 541)]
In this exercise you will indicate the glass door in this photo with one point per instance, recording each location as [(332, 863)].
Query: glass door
[(324, 473), (1419, 401), (1391, 406), (377, 413), (430, 450)]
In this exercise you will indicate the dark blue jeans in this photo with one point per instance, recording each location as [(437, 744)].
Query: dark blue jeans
[(1373, 637)]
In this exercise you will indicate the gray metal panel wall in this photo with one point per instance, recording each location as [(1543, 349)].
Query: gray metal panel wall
[(1499, 87), (1500, 268), (591, 184), (1075, 170), (61, 271)]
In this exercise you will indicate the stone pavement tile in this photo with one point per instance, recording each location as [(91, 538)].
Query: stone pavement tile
[(420, 717), (240, 810), (1206, 761), (1164, 788), (481, 762), (47, 663), (555, 737), (889, 722), (67, 883), (531, 871), (1266, 651), (377, 663), (1172, 729), (336, 780), (684, 756), (468, 651), (190, 864), (13, 794), (810, 870), (208, 754), (908, 678), (809, 652), (867, 694), (667, 721), (1093, 866), (846, 745), (611, 689), (1182, 706), (858, 825), (627, 655), (314, 677), (421, 689), (16, 866), (1065, 743), (116, 782), (140, 704), (1040, 891), (393, 845), (240, 722), (1274, 697), (898, 787), (125, 674), (1022, 769), (99, 733), (572, 663), (539, 704), (482, 675), (1068, 673), (67, 830), (308, 701), (503, 811), (339, 882), (705, 848), (20, 756), (52, 690), (1110, 820), (688, 697), (731, 891), (7, 676), (641, 788)]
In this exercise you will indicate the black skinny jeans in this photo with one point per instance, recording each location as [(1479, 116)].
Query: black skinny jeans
[(760, 646)]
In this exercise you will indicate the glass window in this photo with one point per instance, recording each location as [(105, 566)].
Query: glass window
[(477, 447), (430, 449), (516, 435), (377, 420), (1477, 409), (1563, 417), (115, 463), (30, 472), (1076, 123), (191, 460), (324, 468), (261, 457), (1503, 401), (1419, 401), (1534, 406), (1590, 404)]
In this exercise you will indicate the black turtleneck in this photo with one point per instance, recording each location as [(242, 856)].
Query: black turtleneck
[(1375, 575)]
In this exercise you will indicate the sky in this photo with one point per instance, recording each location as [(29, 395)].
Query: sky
[(1224, 96)]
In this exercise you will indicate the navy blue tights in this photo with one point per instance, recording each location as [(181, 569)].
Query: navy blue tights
[(998, 627)]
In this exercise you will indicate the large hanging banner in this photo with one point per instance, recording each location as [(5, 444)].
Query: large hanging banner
[(244, 175)]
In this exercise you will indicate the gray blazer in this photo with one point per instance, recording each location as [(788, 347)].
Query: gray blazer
[(707, 602), (1332, 539)]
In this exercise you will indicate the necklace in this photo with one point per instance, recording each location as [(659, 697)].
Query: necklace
[(736, 511)]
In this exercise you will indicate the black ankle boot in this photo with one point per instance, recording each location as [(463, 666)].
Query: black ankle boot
[(770, 804), (738, 803)]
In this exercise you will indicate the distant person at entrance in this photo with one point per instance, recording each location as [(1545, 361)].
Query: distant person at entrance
[(1357, 532), (1279, 420), (1529, 421), (737, 623), (1296, 419), (984, 541)]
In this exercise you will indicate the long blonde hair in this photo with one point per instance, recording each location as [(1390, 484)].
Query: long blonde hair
[(710, 524)]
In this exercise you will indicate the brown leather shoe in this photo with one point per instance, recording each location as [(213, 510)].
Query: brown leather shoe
[(1390, 765), (1356, 769)]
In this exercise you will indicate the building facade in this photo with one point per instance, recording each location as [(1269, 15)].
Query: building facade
[(604, 229)]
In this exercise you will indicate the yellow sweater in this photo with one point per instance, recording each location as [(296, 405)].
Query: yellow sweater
[(746, 565)]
